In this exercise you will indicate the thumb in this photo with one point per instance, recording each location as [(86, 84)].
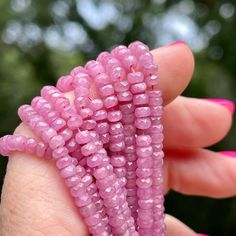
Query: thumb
[(34, 199)]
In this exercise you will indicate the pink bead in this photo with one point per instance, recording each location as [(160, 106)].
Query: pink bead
[(138, 88), (145, 204), (140, 99), (88, 149), (142, 123), (117, 73), (102, 128), (110, 101), (81, 92), (94, 160), (144, 182), (81, 102), (144, 172), (129, 130), (102, 80), (59, 152), (88, 210), (152, 80), (143, 140), (129, 61), (83, 137), (125, 96), (63, 162), (82, 200), (117, 138), (47, 134), (114, 116), (135, 77), (144, 151), (64, 83), (96, 104), (142, 112), (100, 115), (58, 124), (127, 108), (106, 90), (116, 128), (72, 181), (89, 124), (156, 110), (118, 161), (66, 134), (31, 145), (85, 113), (145, 162), (56, 141), (81, 80), (117, 147), (121, 86), (68, 171), (103, 172), (107, 192)]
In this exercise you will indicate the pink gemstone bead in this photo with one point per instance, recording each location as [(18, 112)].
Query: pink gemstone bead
[(60, 152), (135, 77), (125, 96), (56, 142), (110, 101), (138, 88), (142, 112), (82, 200), (116, 128), (89, 124), (96, 104), (142, 123), (88, 149), (114, 116), (117, 73), (102, 80), (94, 160), (106, 90), (66, 134), (140, 99), (121, 86), (100, 115), (144, 151), (143, 140), (64, 83)]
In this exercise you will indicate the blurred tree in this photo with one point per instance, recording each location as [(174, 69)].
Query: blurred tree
[(42, 40)]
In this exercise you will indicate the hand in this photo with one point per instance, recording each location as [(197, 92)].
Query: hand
[(36, 202)]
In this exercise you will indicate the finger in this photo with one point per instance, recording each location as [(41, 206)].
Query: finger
[(194, 123), (176, 65), (174, 227), (35, 200), (200, 172)]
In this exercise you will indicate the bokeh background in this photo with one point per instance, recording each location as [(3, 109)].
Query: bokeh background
[(42, 40)]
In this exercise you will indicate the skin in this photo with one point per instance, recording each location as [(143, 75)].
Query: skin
[(36, 203)]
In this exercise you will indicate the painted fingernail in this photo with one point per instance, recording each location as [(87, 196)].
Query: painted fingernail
[(177, 42), (228, 153), (224, 102)]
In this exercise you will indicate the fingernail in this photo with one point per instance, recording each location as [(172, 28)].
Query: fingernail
[(228, 153), (224, 102), (177, 42)]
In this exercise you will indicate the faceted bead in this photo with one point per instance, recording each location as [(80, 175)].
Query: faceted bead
[(58, 124), (142, 123), (89, 124), (116, 128), (138, 88), (117, 147), (118, 161), (110, 101), (144, 172), (121, 86), (94, 160), (72, 181), (140, 99), (82, 200), (63, 162), (106, 90), (88, 149), (135, 77), (127, 108), (56, 142), (152, 80), (68, 171), (144, 151), (114, 116), (85, 113), (99, 115), (88, 210), (102, 80), (125, 96), (144, 182), (96, 104), (117, 73), (81, 92), (142, 112), (59, 152), (145, 204), (102, 172), (66, 134), (143, 140)]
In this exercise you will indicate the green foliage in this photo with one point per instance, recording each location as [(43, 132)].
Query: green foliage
[(42, 40)]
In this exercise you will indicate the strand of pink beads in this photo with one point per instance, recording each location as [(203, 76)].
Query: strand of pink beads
[(106, 142)]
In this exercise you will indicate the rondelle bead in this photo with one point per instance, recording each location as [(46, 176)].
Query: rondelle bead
[(56, 142), (142, 123), (114, 116)]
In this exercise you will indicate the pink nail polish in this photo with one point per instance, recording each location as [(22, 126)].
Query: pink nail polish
[(177, 43), (224, 102), (228, 153)]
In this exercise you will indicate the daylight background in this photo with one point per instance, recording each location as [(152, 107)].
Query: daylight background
[(41, 40)]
